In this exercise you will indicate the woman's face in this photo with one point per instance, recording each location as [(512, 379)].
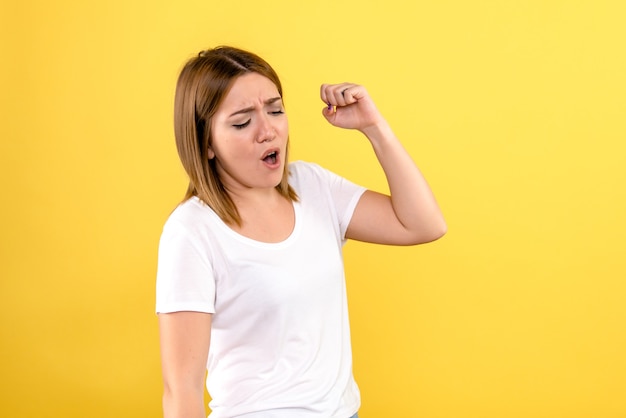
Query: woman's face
[(249, 135)]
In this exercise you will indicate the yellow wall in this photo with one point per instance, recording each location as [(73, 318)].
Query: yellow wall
[(515, 110)]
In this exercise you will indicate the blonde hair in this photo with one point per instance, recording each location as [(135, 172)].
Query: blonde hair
[(201, 87)]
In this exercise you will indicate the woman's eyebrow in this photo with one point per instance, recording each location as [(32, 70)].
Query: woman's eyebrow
[(273, 100), (251, 108)]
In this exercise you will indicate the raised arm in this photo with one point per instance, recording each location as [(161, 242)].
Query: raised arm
[(185, 339), (410, 214)]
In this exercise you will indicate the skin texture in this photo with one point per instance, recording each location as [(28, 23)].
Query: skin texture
[(247, 126)]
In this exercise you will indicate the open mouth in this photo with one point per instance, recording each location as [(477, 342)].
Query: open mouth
[(270, 158)]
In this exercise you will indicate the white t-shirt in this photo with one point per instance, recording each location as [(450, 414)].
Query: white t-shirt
[(280, 337)]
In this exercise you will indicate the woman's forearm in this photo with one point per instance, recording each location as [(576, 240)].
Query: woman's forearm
[(412, 199)]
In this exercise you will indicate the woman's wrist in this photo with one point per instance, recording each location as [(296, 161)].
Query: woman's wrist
[(379, 134)]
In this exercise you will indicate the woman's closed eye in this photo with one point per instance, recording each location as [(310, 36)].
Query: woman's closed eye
[(246, 123), (242, 125)]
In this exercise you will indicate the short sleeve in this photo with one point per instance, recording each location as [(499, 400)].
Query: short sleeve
[(345, 195), (185, 279)]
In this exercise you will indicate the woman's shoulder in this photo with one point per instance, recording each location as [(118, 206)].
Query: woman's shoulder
[(305, 171), (189, 214)]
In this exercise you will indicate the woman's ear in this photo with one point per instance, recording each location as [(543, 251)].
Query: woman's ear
[(210, 153)]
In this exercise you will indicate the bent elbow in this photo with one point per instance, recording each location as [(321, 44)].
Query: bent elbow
[(441, 231), (435, 231)]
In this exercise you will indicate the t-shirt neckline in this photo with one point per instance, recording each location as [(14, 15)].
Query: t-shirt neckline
[(242, 238)]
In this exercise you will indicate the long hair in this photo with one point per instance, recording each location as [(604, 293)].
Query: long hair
[(201, 87)]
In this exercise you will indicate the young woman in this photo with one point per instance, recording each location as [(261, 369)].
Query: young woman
[(250, 282)]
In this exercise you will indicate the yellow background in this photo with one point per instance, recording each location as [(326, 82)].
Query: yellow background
[(515, 111)]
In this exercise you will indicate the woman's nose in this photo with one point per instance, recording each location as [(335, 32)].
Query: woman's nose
[(266, 131)]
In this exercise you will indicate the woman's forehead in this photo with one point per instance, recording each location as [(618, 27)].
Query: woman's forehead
[(251, 88)]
